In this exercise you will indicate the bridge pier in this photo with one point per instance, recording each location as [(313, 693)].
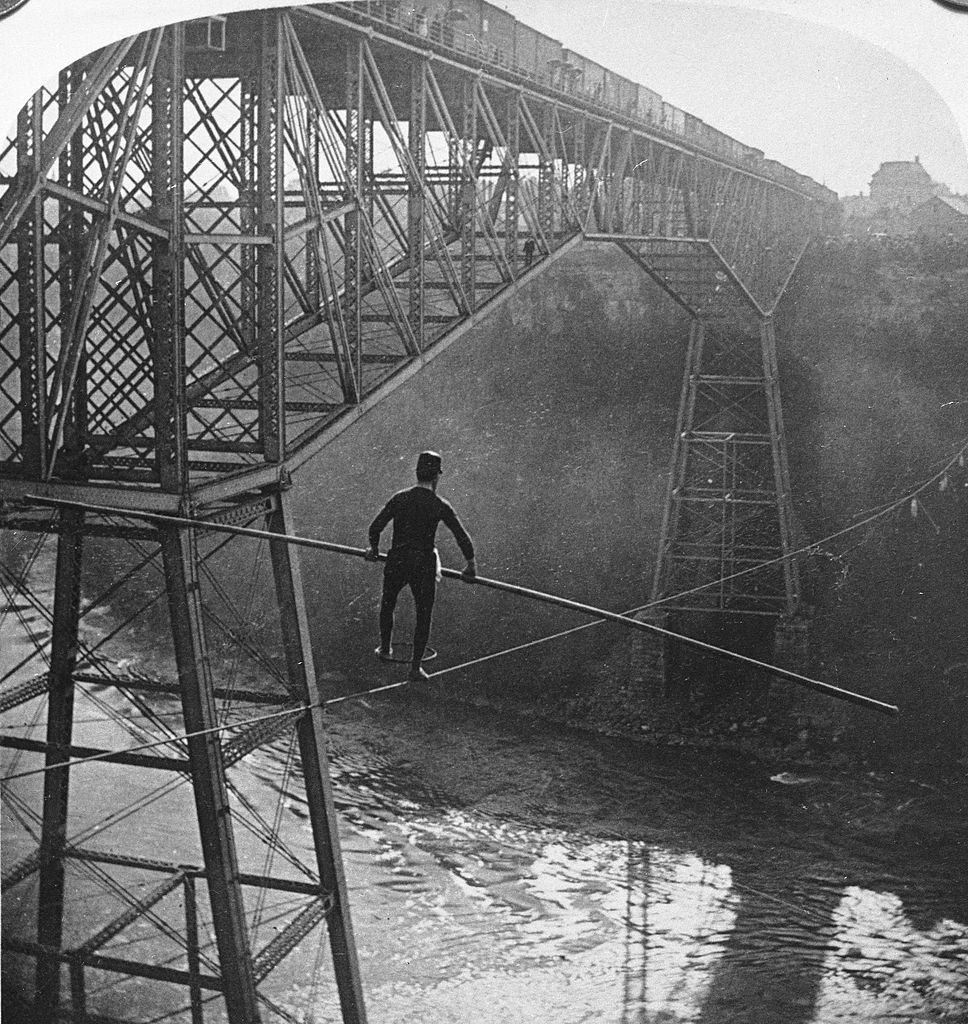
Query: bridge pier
[(311, 734), (726, 532), (60, 721), (726, 538), (194, 584), (193, 659)]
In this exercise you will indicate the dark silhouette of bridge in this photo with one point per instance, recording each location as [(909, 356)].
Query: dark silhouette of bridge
[(221, 244)]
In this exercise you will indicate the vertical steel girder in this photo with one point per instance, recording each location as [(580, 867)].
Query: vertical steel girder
[(416, 210), (167, 337), (467, 192), (32, 287), (60, 718), (512, 183), (208, 775), (271, 186), (781, 468), (312, 749), (352, 240)]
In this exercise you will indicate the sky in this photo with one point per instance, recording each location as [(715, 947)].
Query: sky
[(830, 87)]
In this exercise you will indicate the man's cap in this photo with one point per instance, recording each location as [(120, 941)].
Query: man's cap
[(429, 464)]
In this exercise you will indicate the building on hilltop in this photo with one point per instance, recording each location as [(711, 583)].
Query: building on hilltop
[(941, 217), (900, 185), (898, 188)]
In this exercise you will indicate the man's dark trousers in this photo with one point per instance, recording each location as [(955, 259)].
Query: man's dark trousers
[(418, 570)]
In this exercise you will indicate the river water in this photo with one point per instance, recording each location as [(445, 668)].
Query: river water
[(503, 871)]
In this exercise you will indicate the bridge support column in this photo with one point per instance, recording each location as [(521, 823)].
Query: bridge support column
[(781, 469), (580, 180), (208, 776), (416, 231), (467, 197), (727, 524), (211, 698), (312, 750), (546, 177), (511, 187), (60, 723), (353, 242), (31, 284), (269, 261)]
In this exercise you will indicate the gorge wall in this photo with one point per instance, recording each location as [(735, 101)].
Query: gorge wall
[(555, 420)]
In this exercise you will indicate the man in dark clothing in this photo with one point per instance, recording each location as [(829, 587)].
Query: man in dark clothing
[(412, 559)]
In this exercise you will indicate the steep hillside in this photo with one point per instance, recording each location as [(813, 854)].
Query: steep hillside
[(875, 378), (555, 423)]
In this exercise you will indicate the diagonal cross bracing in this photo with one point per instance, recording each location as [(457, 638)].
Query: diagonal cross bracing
[(213, 264), (626, 177)]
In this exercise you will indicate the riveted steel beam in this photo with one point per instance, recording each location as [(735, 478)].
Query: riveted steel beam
[(60, 721), (208, 776), (312, 748)]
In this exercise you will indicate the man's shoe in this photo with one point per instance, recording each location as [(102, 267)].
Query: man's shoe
[(384, 653), (417, 675)]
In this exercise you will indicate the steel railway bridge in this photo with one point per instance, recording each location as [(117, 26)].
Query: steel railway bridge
[(215, 256)]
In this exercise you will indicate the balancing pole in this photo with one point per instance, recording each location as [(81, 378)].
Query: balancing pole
[(837, 692)]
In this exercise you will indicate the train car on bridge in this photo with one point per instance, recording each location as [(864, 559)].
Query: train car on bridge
[(535, 54), (490, 34), (496, 31), (588, 78), (673, 119), (649, 105), (620, 93)]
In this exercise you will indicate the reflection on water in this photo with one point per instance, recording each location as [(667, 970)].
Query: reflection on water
[(877, 959), (478, 917), (506, 876)]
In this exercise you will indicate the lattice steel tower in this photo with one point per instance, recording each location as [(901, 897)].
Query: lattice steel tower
[(220, 245)]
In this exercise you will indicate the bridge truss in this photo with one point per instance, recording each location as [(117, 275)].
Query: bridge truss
[(214, 259)]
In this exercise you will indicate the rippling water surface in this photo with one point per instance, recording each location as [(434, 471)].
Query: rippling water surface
[(506, 873)]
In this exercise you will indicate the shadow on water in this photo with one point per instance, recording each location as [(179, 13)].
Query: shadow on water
[(575, 879)]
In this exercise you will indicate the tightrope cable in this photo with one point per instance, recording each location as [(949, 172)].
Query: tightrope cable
[(172, 521), (599, 613)]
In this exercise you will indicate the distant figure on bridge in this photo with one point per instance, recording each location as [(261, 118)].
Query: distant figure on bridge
[(413, 559), (528, 253)]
